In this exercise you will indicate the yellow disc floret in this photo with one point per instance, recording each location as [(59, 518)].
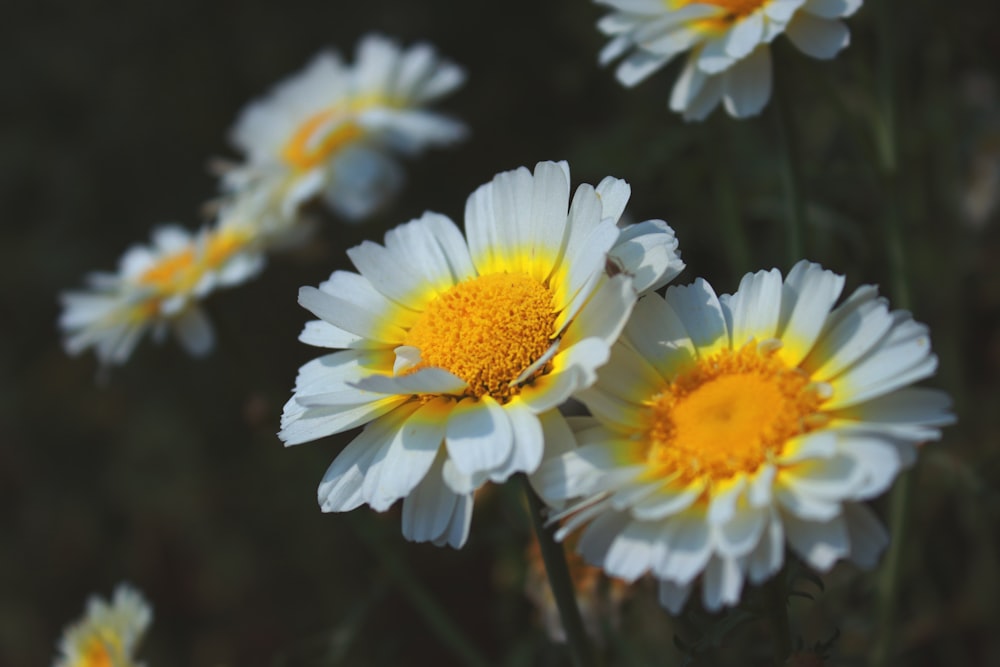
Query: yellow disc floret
[(728, 414), (180, 272), (319, 137), (487, 331), (97, 653)]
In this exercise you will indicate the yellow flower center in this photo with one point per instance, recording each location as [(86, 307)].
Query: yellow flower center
[(487, 331), (319, 137), (181, 271), (728, 414), (97, 653)]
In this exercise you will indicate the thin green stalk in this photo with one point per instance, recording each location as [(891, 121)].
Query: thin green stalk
[(791, 169), (888, 149), (557, 570), (409, 584), (776, 598)]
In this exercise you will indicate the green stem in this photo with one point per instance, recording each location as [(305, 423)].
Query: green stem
[(777, 611), (888, 150), (554, 558), (791, 169), (409, 584)]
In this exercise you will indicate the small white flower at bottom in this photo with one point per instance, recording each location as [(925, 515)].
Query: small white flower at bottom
[(726, 427), (108, 634)]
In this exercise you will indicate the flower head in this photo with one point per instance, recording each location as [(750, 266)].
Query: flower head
[(158, 287), (725, 427), (728, 41), (455, 351), (332, 130), (108, 635)]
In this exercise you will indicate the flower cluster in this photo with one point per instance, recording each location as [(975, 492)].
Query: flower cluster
[(331, 132), (108, 634), (721, 428)]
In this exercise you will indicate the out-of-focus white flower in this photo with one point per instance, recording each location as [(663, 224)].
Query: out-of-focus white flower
[(728, 41), (454, 353), (727, 427), (333, 130), (108, 634), (157, 288)]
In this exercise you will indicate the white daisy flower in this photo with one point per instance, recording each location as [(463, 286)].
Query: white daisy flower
[(157, 288), (455, 352), (728, 41), (331, 130), (727, 427), (109, 634)]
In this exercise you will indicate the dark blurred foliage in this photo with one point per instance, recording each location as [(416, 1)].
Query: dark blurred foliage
[(169, 474)]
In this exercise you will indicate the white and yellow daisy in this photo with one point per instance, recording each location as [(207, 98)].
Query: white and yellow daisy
[(157, 288), (109, 634), (728, 41), (455, 352), (332, 131), (727, 427)]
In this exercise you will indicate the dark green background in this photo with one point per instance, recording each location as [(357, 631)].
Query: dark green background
[(169, 475)]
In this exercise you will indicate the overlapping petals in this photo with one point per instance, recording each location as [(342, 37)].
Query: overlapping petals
[(520, 312), (333, 131), (727, 41), (841, 421), (158, 288)]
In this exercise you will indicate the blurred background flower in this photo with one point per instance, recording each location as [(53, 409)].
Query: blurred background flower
[(171, 476)]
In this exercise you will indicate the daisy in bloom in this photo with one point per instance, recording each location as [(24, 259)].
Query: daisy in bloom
[(454, 352), (156, 288), (332, 130), (729, 57), (727, 427), (108, 635)]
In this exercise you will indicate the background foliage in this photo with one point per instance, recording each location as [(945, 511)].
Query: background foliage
[(169, 475)]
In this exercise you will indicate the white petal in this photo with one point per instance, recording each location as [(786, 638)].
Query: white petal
[(753, 311), (698, 308), (342, 486), (480, 435), (424, 381), (666, 502), (746, 86), (741, 534), (648, 253), (658, 334), (832, 9), (633, 551), (722, 583), (690, 548), (526, 452), (867, 535), (817, 37), (769, 555), (409, 455), (745, 35), (428, 509), (819, 543), (807, 296), (638, 66)]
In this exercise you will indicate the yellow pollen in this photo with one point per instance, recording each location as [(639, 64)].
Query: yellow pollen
[(729, 414), (487, 331)]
